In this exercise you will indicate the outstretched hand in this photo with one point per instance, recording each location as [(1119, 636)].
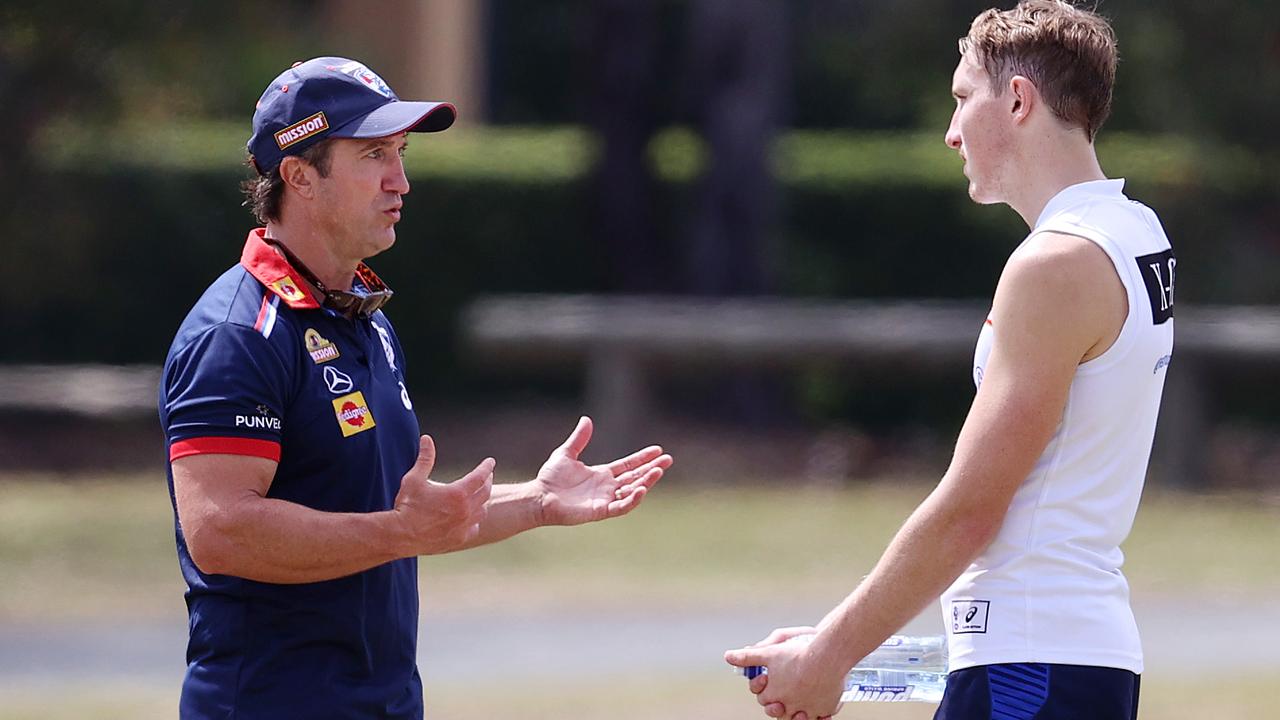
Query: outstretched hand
[(439, 517), (574, 492)]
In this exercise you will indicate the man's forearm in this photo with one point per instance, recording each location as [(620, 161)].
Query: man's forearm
[(512, 509), (933, 547), (277, 541)]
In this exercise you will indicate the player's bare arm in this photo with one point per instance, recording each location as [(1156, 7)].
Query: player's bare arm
[(1058, 303), (233, 528)]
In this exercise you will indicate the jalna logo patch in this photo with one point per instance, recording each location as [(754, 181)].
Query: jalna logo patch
[(320, 350), (353, 414), (302, 130), (286, 288)]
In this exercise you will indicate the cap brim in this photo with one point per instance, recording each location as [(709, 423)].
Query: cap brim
[(400, 116)]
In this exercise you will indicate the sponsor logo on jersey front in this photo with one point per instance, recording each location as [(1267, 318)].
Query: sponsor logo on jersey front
[(338, 381), (353, 414), (387, 349), (301, 130), (969, 616), (320, 350)]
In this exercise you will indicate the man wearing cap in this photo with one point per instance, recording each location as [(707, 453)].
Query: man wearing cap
[(299, 480)]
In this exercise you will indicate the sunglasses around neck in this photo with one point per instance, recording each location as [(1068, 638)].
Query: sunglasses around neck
[(350, 305)]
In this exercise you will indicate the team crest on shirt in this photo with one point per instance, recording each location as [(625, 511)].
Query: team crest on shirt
[(286, 288), (353, 414), (320, 350)]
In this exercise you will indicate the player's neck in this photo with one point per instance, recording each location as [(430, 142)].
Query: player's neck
[(316, 252), (1048, 173)]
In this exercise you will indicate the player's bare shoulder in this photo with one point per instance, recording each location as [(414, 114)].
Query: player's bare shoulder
[(1066, 284)]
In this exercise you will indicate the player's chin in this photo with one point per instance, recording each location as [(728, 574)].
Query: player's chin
[(982, 195)]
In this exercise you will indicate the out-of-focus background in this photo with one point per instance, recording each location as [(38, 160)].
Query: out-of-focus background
[(727, 226)]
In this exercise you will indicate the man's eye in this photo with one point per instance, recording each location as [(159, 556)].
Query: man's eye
[(376, 154)]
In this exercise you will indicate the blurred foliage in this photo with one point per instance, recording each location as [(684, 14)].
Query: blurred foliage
[(501, 210), (1209, 70), (117, 209), (812, 159), (139, 62)]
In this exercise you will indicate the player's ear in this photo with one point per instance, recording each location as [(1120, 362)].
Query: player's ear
[(299, 175), (1022, 96)]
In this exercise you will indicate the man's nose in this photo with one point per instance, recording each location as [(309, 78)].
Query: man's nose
[(397, 181)]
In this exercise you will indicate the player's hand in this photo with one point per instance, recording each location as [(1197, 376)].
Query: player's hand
[(574, 493), (437, 517), (758, 683), (781, 635), (801, 684)]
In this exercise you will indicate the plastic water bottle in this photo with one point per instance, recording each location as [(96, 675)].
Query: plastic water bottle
[(905, 668)]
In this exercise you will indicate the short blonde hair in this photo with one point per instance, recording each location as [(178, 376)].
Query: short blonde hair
[(1067, 51)]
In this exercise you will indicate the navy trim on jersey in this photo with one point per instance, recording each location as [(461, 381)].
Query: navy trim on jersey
[(1039, 691)]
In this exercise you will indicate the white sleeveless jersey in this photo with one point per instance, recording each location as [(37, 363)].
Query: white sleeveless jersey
[(1049, 589)]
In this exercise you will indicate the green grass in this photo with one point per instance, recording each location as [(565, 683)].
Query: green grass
[(717, 696), (105, 548), (102, 549)]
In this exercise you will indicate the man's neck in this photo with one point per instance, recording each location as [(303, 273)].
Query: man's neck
[(312, 248), (1057, 167)]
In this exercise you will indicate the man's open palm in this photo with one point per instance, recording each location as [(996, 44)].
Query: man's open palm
[(576, 493)]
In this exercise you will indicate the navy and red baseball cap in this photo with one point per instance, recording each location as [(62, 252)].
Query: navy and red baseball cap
[(333, 97)]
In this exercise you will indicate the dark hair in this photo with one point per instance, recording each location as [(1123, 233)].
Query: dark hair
[(263, 194), (1069, 52)]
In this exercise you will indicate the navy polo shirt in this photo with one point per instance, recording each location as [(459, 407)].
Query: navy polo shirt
[(259, 368)]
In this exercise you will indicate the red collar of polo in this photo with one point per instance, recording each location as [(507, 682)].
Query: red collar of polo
[(272, 270)]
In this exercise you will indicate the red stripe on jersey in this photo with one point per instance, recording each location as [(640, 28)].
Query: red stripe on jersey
[(988, 322), (268, 449), (262, 312)]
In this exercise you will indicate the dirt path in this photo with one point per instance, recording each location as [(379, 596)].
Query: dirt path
[(1182, 636)]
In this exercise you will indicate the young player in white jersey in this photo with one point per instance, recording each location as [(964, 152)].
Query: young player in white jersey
[(1021, 536)]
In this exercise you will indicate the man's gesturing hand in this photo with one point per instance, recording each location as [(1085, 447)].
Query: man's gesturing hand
[(436, 517), (574, 493)]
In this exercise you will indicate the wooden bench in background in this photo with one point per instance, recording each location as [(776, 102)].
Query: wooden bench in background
[(622, 340), (619, 342)]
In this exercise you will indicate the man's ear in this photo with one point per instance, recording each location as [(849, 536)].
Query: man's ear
[(1023, 96), (299, 175)]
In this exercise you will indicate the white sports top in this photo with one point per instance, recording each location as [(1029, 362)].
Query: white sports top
[(1049, 589)]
